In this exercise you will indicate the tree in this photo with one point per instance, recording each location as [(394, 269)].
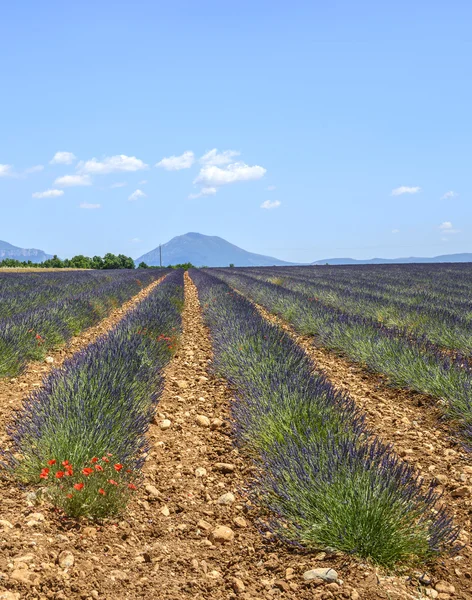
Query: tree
[(143, 265)]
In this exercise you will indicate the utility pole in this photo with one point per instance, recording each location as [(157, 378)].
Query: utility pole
[(160, 255)]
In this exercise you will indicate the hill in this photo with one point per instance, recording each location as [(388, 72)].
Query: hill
[(206, 250), (24, 254), (444, 258)]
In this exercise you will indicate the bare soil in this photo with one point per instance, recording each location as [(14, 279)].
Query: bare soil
[(166, 545)]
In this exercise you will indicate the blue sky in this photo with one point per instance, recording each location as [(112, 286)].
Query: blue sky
[(349, 121)]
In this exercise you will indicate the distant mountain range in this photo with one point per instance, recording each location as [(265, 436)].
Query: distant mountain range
[(206, 250), (213, 251), (444, 258), (9, 251)]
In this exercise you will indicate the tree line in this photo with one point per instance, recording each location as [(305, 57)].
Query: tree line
[(109, 261)]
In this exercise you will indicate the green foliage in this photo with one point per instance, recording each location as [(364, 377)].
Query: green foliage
[(109, 261)]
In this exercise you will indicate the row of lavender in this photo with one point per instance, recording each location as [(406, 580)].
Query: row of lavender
[(412, 363), (326, 481), (426, 300), (83, 434), (41, 311)]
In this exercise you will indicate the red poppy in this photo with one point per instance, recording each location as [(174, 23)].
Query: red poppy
[(87, 471), (78, 486), (45, 470), (43, 475), (102, 492), (69, 495), (59, 474), (65, 463), (132, 486), (52, 461), (98, 468), (112, 482), (69, 472), (118, 467), (94, 460), (105, 459)]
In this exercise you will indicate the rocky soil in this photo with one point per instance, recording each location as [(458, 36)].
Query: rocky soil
[(190, 531)]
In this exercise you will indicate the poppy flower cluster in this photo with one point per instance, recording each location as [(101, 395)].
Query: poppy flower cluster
[(66, 469)]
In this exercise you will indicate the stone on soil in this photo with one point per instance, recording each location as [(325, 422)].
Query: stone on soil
[(66, 559), (326, 574), (202, 421), (227, 498), (222, 535)]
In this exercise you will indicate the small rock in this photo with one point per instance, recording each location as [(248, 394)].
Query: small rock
[(165, 424), (152, 491), (355, 595), (460, 492), (26, 577), (237, 585), (282, 585), (431, 593), (66, 559), (203, 525), (240, 522), (445, 587), (322, 573), (119, 575), (25, 558), (216, 424), (202, 421), (89, 532), (5, 524), (222, 534), (224, 467), (320, 556), (4, 595), (49, 360), (226, 499), (200, 472), (182, 384), (165, 511)]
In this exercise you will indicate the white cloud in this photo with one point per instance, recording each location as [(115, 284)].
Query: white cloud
[(136, 195), (142, 182), (212, 158), (112, 164), (447, 228), (403, 189), (118, 185), (206, 191), (448, 195), (90, 206), (49, 194), (271, 188), (135, 240), (271, 204), (395, 231), (73, 180), (176, 163), (35, 169), (5, 170), (63, 158), (215, 176)]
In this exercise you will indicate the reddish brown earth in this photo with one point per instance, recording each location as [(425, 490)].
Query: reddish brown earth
[(167, 544)]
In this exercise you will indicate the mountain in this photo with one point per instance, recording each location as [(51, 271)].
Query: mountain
[(9, 251), (206, 250), (444, 258)]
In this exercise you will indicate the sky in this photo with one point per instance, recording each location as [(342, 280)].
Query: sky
[(301, 130)]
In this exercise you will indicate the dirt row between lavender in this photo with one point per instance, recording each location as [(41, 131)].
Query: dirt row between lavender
[(189, 532), (414, 425)]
